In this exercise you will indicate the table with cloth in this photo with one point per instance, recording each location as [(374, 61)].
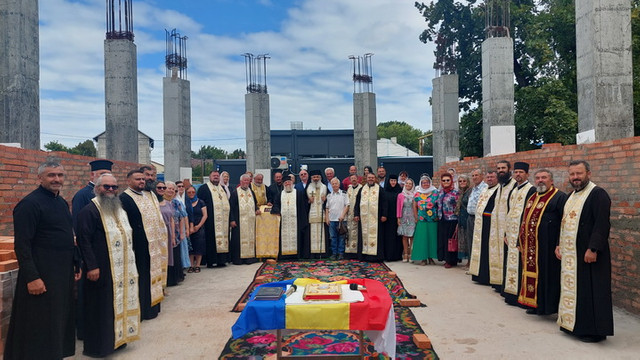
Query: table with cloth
[(370, 310)]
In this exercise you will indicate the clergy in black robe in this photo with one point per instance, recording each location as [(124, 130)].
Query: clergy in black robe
[(585, 307), (274, 190), (392, 241), (485, 227), (538, 237), (243, 223), (79, 201), (144, 244), (103, 251), (42, 318), (217, 224), (291, 205), (371, 214)]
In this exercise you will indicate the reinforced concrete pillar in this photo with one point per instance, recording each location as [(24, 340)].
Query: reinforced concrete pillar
[(121, 99), (604, 70), (445, 117), (365, 132), (258, 129), (19, 73), (499, 131), (177, 126)]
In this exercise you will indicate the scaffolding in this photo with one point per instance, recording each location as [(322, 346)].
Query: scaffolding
[(176, 54), (117, 27)]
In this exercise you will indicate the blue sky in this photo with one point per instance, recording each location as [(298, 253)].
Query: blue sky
[(309, 75)]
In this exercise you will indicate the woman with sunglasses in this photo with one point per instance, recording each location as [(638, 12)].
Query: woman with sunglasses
[(167, 215)]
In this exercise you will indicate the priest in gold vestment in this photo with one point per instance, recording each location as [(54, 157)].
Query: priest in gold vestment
[(370, 211), (244, 209)]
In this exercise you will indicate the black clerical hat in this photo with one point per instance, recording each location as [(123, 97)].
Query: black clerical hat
[(100, 165), (521, 166), (315, 172)]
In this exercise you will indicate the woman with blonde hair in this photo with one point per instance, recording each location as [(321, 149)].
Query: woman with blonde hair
[(406, 218)]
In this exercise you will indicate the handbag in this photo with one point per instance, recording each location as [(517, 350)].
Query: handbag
[(452, 243), (342, 228)]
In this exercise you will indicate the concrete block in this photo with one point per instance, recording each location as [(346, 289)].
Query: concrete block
[(392, 273), (422, 341), (259, 279), (410, 302), (365, 132)]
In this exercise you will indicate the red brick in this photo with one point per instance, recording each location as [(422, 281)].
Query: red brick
[(8, 265), (422, 341), (410, 302)]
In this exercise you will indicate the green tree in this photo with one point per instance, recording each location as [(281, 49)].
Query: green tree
[(406, 134), (238, 154), (543, 33), (86, 148), (55, 146), (209, 152)]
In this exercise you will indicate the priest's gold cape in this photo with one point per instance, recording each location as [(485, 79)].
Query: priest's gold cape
[(126, 306), (221, 210), (516, 207), (369, 202), (316, 217), (157, 238), (351, 242), (495, 243), (568, 264)]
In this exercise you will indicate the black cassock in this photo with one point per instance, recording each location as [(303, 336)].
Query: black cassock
[(382, 211), (42, 326), (548, 292), (143, 260), (392, 241), (483, 271), (211, 256), (594, 312), (234, 241), (302, 212), (99, 338)]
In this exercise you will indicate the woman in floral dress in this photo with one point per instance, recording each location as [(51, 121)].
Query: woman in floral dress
[(406, 219), (425, 210)]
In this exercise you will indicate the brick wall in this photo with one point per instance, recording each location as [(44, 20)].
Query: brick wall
[(19, 176), (614, 167)]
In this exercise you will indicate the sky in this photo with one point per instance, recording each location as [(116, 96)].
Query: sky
[(308, 73)]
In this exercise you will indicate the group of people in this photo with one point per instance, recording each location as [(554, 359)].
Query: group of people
[(540, 248)]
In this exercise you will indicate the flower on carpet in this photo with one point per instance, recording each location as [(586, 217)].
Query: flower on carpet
[(343, 347), (262, 339), (402, 338)]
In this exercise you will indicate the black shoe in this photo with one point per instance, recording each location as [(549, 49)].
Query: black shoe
[(341, 257), (210, 266), (332, 257), (592, 338), (531, 311)]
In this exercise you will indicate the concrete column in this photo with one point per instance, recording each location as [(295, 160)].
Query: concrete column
[(258, 129), (365, 132), (177, 126), (499, 131), (604, 70), (445, 118), (19, 73), (121, 99)]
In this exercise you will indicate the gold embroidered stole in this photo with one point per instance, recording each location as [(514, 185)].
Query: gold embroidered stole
[(261, 193), (483, 199), (316, 223), (570, 257), (496, 243), (516, 206), (529, 241), (156, 232), (351, 244), (221, 210), (267, 233), (289, 222), (247, 223), (124, 276), (369, 197)]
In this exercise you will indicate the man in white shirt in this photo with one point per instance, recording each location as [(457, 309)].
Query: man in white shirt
[(336, 212)]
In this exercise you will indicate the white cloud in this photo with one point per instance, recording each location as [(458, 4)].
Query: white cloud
[(309, 75)]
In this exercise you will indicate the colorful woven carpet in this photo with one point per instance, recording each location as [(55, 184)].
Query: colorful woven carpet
[(256, 345)]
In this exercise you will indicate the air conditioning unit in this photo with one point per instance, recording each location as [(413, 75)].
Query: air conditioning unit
[(279, 162)]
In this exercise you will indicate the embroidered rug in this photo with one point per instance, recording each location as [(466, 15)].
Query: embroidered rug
[(258, 344)]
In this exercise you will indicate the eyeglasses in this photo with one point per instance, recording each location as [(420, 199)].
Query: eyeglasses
[(161, 187), (445, 180), (180, 186), (110, 187)]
